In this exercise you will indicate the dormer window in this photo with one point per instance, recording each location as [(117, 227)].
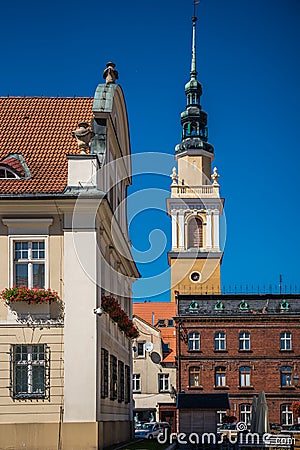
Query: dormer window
[(7, 173)]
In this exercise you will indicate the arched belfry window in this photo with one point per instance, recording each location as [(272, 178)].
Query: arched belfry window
[(195, 233)]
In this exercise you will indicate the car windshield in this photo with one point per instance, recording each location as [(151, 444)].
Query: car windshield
[(147, 426)]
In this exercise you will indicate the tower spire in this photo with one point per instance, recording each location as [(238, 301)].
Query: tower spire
[(194, 72)]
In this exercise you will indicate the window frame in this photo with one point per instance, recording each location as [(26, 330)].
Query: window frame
[(6, 169), (194, 341), (143, 354), (194, 371), (220, 374), (286, 379), (121, 381), (246, 413), (244, 375), (284, 340), (14, 363), (45, 261), (219, 340), (244, 341), (163, 382), (104, 373), (136, 380), (113, 370), (286, 412)]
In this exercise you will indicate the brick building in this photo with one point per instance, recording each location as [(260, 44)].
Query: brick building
[(241, 344)]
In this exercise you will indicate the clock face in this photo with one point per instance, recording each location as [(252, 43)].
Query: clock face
[(195, 277)]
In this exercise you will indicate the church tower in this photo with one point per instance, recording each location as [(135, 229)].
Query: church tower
[(195, 205)]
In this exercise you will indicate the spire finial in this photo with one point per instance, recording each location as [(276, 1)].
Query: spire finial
[(194, 72)]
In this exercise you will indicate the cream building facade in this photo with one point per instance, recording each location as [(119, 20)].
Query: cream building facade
[(65, 366)]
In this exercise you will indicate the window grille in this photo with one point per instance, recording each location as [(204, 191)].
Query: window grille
[(113, 378), (104, 373), (30, 371), (127, 384), (120, 381)]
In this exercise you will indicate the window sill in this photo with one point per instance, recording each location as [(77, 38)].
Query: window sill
[(195, 388), (194, 351), (221, 351), (244, 388), (221, 387), (245, 351), (283, 350), (291, 388), (136, 392)]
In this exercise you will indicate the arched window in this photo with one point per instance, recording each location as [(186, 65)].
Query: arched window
[(194, 377), (7, 173), (286, 376), (195, 233), (193, 129), (220, 377), (245, 376)]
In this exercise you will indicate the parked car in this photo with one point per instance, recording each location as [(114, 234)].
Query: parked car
[(148, 430)]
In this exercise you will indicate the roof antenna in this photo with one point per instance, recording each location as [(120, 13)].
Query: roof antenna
[(280, 284), (194, 72)]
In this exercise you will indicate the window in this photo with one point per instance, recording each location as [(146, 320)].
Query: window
[(163, 382), (121, 386), (286, 376), (245, 413), (30, 371), (195, 233), (161, 323), (285, 340), (127, 384), (104, 373), (140, 349), (113, 378), (220, 341), (286, 414), (194, 377), (136, 382), (194, 341), (244, 340), (220, 377), (245, 376), (166, 347), (221, 415), (6, 173), (29, 264), (170, 322)]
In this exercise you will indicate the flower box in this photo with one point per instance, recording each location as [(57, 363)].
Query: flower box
[(30, 296), (112, 307)]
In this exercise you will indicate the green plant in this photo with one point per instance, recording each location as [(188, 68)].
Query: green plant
[(112, 307), (28, 295)]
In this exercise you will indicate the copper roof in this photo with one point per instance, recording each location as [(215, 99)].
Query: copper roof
[(39, 129)]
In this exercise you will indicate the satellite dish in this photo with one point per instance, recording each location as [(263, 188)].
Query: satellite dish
[(155, 357), (148, 347)]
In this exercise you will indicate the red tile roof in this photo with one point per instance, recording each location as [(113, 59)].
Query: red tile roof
[(151, 312), (40, 129)]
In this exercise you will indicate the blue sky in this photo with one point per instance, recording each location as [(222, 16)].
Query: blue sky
[(248, 63)]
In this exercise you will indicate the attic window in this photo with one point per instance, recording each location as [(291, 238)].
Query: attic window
[(166, 347), (7, 173), (161, 323)]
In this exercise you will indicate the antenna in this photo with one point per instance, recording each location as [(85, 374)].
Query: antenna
[(196, 2), (280, 284)]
